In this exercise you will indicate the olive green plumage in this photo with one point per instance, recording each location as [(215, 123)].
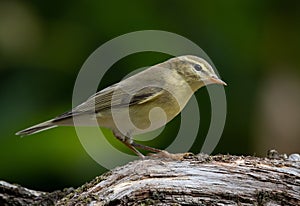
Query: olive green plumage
[(168, 86)]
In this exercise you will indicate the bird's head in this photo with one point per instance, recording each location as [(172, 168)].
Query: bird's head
[(195, 70)]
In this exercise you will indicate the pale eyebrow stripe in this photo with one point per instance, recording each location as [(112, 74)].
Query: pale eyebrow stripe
[(193, 61), (205, 63)]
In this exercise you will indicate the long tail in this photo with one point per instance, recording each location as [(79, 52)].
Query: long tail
[(37, 128)]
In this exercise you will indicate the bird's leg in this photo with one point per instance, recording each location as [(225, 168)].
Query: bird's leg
[(127, 140), (144, 147), (129, 143)]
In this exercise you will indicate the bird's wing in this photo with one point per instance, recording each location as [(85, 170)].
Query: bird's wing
[(113, 97)]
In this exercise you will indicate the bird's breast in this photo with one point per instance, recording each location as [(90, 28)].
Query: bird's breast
[(148, 116)]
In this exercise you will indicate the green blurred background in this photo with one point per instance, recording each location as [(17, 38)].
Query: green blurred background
[(43, 44)]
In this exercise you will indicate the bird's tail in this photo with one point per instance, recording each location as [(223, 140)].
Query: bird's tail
[(37, 128)]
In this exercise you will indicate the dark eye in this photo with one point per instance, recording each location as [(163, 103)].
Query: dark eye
[(198, 67)]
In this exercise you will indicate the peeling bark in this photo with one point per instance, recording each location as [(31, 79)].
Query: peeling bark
[(188, 180)]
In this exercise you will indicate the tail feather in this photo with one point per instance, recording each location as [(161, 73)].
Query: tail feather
[(37, 128)]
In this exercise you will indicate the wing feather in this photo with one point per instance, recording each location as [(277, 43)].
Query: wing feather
[(112, 97), (124, 93)]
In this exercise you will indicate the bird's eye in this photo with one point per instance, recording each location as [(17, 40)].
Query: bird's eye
[(198, 67)]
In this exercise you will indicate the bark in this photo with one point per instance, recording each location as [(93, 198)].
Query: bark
[(184, 179)]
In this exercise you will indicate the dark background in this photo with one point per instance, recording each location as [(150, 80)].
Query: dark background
[(43, 44)]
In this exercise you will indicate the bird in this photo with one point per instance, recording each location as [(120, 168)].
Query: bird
[(125, 107)]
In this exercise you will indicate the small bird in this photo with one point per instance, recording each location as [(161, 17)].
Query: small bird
[(127, 107)]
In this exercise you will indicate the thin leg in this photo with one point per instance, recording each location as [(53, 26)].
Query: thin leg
[(130, 146), (144, 147), (129, 143)]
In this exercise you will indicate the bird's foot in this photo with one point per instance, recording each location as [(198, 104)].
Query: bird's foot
[(166, 154)]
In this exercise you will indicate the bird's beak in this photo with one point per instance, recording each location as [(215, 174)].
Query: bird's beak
[(216, 80)]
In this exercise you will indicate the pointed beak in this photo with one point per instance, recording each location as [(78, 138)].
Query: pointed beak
[(216, 80)]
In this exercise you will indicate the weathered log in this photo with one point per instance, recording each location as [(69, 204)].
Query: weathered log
[(189, 180)]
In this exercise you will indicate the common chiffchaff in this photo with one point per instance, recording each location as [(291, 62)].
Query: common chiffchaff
[(127, 108)]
